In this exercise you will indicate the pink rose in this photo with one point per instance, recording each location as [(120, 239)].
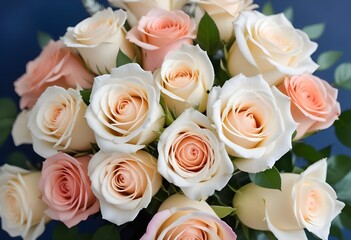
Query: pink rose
[(313, 103), (159, 32), (56, 65), (66, 189), (182, 218)]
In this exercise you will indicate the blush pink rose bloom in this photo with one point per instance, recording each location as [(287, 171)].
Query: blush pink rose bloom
[(314, 103), (182, 218), (56, 65), (160, 32), (66, 189)]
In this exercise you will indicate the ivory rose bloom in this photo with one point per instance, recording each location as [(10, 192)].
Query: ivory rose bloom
[(21, 208), (305, 201), (314, 103), (185, 77), (191, 156), (159, 32), (57, 123), (271, 46), (138, 8), (253, 120), (56, 65), (99, 38), (124, 183), (224, 13), (182, 218), (124, 110), (66, 189)]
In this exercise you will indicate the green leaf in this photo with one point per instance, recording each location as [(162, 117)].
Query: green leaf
[(122, 59), (342, 75), (19, 159), (43, 39), (342, 189), (314, 31), (336, 232), (268, 9), (285, 163), (343, 128), (327, 59), (208, 35), (107, 232), (85, 93), (62, 232), (267, 179), (168, 115), (222, 211), (8, 115), (345, 217), (307, 152), (338, 167), (289, 13)]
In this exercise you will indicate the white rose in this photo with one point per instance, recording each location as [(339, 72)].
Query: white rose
[(99, 38), (124, 110), (21, 207), (185, 77), (191, 156), (305, 201), (224, 13), (271, 46), (57, 123), (124, 183), (138, 8), (253, 120)]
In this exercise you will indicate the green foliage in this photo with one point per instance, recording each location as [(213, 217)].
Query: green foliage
[(43, 39), (314, 31), (222, 211), (307, 152), (342, 75), (338, 167), (208, 35), (169, 116), (289, 13), (343, 128), (268, 9), (63, 232), (19, 159), (107, 232), (328, 59), (269, 178), (342, 189), (122, 59), (85, 93), (8, 115)]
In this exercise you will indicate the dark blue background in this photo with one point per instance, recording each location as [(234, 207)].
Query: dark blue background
[(21, 19)]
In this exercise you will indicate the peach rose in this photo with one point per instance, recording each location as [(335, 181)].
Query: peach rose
[(224, 13), (21, 208), (313, 103), (56, 65), (57, 123), (99, 38), (66, 189), (124, 110), (192, 157), (185, 77), (124, 183), (181, 218), (138, 8), (253, 120), (305, 201), (160, 32), (271, 46)]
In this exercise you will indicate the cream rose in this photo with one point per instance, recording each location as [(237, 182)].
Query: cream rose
[(224, 13), (21, 208), (57, 123), (159, 32), (185, 77), (191, 156), (253, 120), (314, 103), (305, 201), (138, 8), (181, 218), (271, 46), (99, 38), (124, 183), (124, 110)]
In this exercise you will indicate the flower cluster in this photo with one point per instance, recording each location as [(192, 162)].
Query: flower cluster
[(176, 97)]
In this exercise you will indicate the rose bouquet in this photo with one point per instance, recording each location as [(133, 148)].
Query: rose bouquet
[(178, 120)]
